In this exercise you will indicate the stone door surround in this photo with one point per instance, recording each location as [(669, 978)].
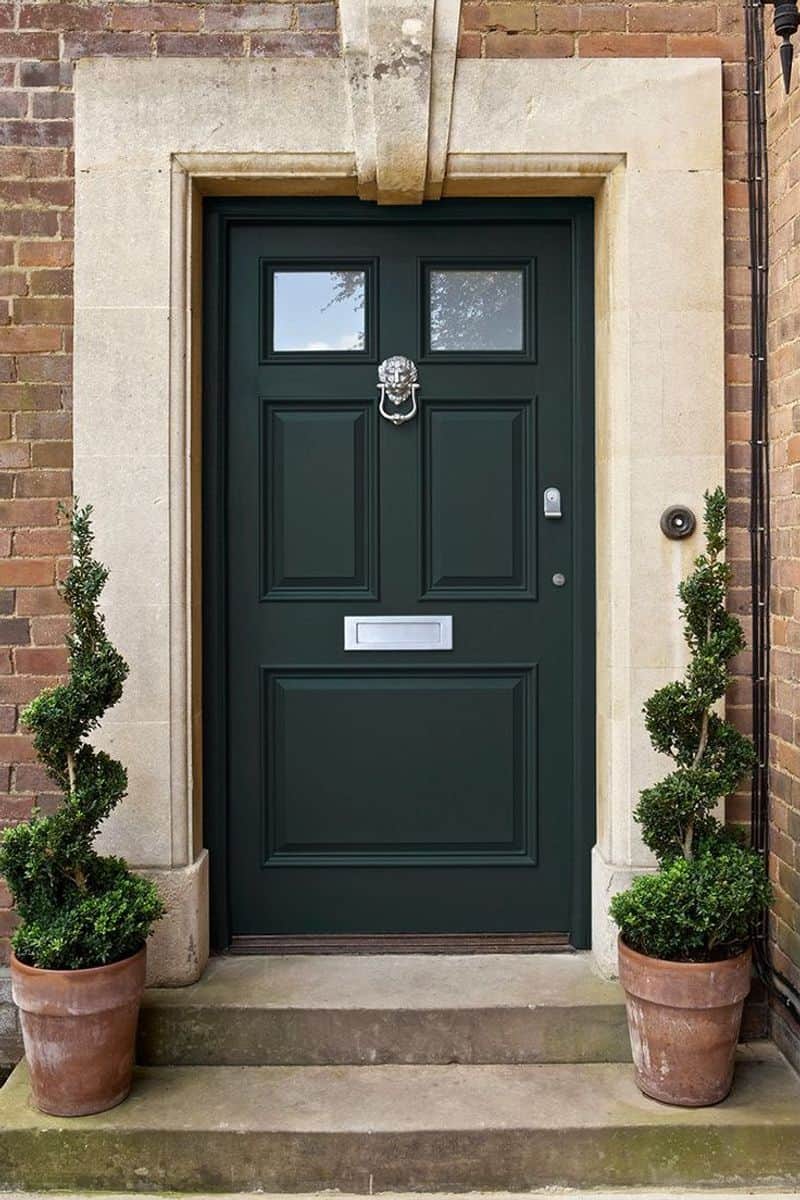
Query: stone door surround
[(397, 119)]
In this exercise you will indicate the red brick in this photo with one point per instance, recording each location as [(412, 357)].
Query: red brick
[(28, 224), (16, 513), (48, 106), (513, 17), (14, 631), (469, 45), (14, 455), (26, 572), (40, 660), (39, 74), (44, 425), (16, 747), (37, 542), (50, 310), (13, 283), (175, 17), (29, 45), (13, 104), (62, 16), (622, 45), (35, 133), (39, 602), (45, 368), (664, 17), (316, 16), (210, 45), (22, 397), (32, 777), (45, 254), (49, 631), (704, 45), (529, 45), (44, 483), (51, 283), (24, 339), (93, 45), (581, 18), (51, 454)]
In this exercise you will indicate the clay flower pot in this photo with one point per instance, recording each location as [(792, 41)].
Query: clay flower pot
[(79, 1029), (684, 1021)]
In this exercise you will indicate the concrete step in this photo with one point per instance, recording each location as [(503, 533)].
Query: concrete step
[(389, 1008), (408, 1128)]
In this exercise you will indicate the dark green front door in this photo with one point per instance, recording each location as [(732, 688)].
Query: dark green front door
[(373, 789)]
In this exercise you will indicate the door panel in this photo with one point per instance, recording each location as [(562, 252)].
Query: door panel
[(329, 553), (477, 535), (332, 736), (398, 791)]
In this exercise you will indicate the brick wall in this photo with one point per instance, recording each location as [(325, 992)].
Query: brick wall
[(39, 42), (784, 417)]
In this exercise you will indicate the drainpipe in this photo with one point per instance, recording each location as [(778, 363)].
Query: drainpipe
[(785, 22)]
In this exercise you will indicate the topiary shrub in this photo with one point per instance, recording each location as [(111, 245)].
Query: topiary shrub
[(77, 908), (710, 889)]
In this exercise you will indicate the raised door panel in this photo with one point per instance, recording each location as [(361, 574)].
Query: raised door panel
[(476, 504), (406, 765), (318, 502)]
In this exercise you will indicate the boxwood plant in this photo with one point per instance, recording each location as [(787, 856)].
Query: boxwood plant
[(77, 908), (710, 888)]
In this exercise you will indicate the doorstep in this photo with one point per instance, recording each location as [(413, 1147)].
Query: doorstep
[(388, 1008), (408, 1128)]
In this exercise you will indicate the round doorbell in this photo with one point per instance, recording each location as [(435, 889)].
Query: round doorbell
[(677, 522)]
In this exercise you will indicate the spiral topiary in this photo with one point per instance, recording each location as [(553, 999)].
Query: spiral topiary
[(77, 908), (711, 889)]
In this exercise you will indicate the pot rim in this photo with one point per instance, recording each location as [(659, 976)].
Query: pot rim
[(717, 963), (75, 972)]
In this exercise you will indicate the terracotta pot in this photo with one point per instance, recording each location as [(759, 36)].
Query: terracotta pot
[(684, 1021), (79, 1029)]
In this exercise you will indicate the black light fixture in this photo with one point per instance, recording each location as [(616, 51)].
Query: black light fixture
[(785, 22)]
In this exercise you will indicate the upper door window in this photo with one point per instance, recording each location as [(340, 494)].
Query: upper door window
[(318, 309), (476, 309)]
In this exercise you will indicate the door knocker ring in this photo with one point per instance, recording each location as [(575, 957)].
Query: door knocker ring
[(397, 383)]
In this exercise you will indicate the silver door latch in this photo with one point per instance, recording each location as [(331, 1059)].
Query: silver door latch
[(552, 502)]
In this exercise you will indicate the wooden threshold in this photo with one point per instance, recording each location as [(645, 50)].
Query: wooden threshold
[(402, 943)]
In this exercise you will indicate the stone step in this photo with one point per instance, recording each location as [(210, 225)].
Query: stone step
[(408, 1128), (389, 1008)]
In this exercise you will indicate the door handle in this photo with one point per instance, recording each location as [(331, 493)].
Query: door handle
[(552, 503), (398, 383)]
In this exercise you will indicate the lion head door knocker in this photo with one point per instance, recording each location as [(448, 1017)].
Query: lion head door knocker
[(397, 383)]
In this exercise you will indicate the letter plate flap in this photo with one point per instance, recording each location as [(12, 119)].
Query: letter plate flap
[(398, 633)]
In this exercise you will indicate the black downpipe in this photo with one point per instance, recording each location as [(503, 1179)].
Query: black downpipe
[(760, 542)]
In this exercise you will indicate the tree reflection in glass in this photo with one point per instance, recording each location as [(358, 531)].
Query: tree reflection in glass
[(476, 310)]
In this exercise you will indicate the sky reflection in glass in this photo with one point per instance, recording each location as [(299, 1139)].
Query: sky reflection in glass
[(318, 311)]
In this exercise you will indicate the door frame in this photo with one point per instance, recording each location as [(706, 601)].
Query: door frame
[(220, 213)]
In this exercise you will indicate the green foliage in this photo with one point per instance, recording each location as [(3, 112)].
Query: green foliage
[(701, 910), (77, 908), (710, 890)]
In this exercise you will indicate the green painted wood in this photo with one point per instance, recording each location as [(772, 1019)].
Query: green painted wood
[(392, 792)]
